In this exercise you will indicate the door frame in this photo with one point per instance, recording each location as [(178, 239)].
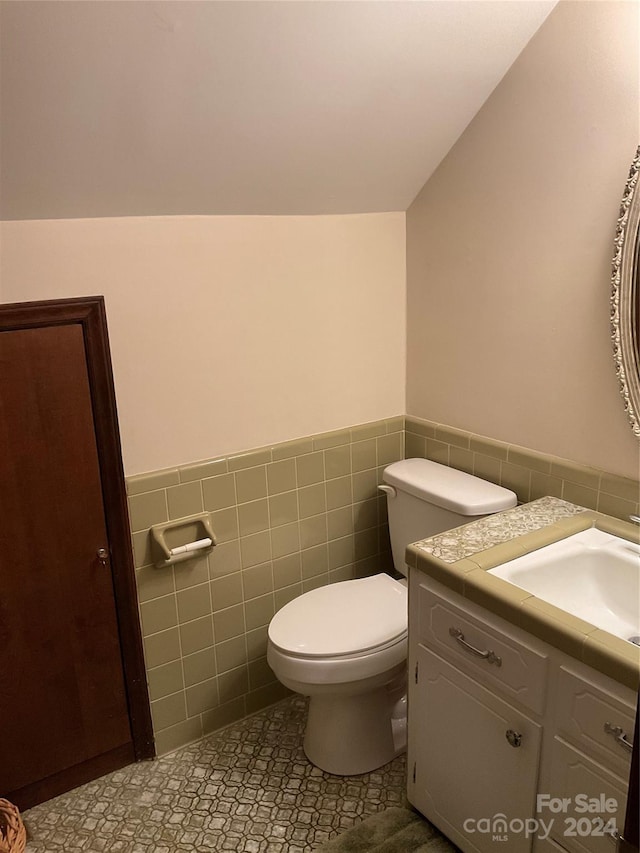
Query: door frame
[(90, 313)]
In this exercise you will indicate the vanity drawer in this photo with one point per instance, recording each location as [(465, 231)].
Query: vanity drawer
[(595, 802), (597, 722), (516, 669)]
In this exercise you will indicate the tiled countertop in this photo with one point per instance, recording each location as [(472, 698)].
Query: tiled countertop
[(460, 558)]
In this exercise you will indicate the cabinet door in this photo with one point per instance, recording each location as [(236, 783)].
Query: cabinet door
[(462, 766), (582, 827)]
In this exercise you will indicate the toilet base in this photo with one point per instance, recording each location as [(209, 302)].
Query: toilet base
[(348, 735)]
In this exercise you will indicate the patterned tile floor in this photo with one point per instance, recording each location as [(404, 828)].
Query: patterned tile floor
[(247, 788)]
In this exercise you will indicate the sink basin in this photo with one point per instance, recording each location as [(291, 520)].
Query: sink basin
[(593, 575)]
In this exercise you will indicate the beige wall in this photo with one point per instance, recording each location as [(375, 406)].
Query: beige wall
[(510, 245), (230, 332)]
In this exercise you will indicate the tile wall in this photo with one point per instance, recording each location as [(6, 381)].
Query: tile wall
[(287, 518), (529, 474)]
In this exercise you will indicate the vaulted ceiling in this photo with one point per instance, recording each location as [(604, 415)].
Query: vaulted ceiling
[(215, 107)]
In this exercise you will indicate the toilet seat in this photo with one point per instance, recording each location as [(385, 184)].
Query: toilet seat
[(343, 620)]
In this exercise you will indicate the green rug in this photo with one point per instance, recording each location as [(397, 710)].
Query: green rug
[(390, 831)]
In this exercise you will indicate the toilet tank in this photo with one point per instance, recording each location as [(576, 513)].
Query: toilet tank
[(425, 498)]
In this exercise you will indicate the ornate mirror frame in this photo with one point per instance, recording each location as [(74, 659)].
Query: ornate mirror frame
[(625, 297)]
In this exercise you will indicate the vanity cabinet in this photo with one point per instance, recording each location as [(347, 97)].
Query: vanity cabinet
[(496, 718)]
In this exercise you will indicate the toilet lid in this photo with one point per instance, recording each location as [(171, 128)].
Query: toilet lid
[(342, 618)]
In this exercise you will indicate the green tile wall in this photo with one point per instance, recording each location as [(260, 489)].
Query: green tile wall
[(287, 518), (528, 473)]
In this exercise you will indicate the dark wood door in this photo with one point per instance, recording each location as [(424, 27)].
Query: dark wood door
[(65, 713)]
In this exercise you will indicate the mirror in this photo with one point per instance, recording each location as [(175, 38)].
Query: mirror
[(625, 297)]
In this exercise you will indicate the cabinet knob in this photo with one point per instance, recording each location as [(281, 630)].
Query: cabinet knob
[(103, 556), (514, 738)]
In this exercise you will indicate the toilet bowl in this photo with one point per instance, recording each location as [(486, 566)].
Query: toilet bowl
[(345, 645)]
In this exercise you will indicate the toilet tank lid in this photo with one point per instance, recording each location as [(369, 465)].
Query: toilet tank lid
[(448, 488)]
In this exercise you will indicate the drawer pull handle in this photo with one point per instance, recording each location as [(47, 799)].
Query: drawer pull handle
[(488, 655), (620, 735)]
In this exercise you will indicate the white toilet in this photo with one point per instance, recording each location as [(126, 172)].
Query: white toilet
[(345, 645)]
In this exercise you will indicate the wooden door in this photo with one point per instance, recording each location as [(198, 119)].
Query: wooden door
[(71, 682)]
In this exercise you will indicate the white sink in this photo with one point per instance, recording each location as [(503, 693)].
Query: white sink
[(593, 575)]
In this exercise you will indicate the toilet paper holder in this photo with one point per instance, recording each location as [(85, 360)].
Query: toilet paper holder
[(182, 539)]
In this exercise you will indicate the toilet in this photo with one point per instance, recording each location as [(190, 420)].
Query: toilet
[(345, 645)]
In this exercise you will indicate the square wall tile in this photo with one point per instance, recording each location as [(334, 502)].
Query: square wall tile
[(147, 509), (251, 484), (256, 643), (253, 517), (310, 468), (200, 666), (202, 697), (142, 555), (259, 611), (196, 635), (158, 614), (231, 654), (287, 570), (226, 591), (363, 455), (260, 674), (168, 711), (315, 561), (154, 583), (229, 623), (283, 508), (219, 492), (337, 462), (184, 500), (224, 559), (223, 715), (257, 580), (389, 448), (285, 540), (339, 493), (286, 594), (225, 524), (281, 476), (255, 549), (162, 647), (313, 531), (190, 573), (164, 680), (339, 522), (194, 602), (365, 485), (233, 683), (311, 500)]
